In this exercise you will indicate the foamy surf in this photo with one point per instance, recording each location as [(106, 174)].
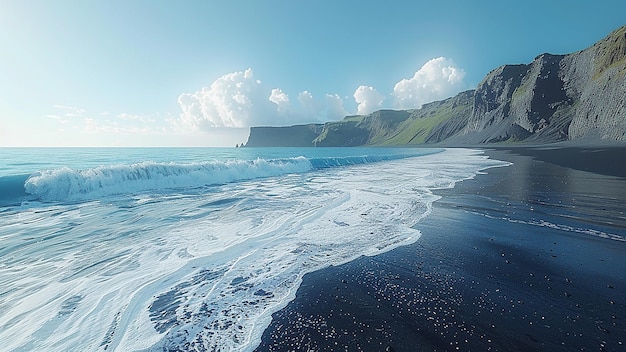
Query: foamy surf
[(66, 184), (202, 270)]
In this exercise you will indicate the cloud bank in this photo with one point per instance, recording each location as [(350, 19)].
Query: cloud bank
[(438, 79), (239, 100)]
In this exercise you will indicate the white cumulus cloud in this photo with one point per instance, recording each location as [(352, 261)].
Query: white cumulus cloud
[(239, 100), (233, 100), (281, 100), (438, 79), (368, 99)]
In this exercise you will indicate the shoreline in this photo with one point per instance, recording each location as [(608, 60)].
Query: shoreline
[(526, 257)]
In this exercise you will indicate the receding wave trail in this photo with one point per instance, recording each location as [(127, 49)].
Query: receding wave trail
[(65, 184), (202, 270)]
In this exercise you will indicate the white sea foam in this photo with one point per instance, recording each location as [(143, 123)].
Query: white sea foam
[(68, 184), (205, 269)]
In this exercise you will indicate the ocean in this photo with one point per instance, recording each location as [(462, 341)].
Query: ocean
[(194, 248)]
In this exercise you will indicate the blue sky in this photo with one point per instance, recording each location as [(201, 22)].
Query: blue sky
[(199, 73)]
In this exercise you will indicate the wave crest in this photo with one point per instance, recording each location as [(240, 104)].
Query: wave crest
[(68, 184)]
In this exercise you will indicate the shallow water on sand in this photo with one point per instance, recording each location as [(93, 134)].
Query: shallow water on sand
[(159, 255), (529, 257)]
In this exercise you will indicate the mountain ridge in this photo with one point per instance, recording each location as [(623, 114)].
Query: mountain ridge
[(555, 98)]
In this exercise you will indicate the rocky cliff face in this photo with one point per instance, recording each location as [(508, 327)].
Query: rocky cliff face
[(516, 102), (288, 136), (597, 78), (554, 98)]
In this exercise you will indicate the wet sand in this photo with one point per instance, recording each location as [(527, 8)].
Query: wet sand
[(530, 257)]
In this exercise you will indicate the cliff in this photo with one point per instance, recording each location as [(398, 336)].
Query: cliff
[(288, 136), (371, 129), (554, 98)]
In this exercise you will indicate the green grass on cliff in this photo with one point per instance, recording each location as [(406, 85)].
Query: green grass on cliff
[(522, 90), (611, 52), (416, 130), (353, 118), (419, 127)]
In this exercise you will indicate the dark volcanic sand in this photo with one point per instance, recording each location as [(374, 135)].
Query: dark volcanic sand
[(530, 257)]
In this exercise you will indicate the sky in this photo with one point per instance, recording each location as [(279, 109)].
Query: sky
[(200, 73)]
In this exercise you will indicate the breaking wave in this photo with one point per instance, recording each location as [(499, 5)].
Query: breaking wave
[(66, 184)]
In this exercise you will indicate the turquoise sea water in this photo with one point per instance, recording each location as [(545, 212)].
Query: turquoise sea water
[(82, 173), (193, 248)]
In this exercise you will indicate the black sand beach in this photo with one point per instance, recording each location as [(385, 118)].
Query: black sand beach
[(530, 257)]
